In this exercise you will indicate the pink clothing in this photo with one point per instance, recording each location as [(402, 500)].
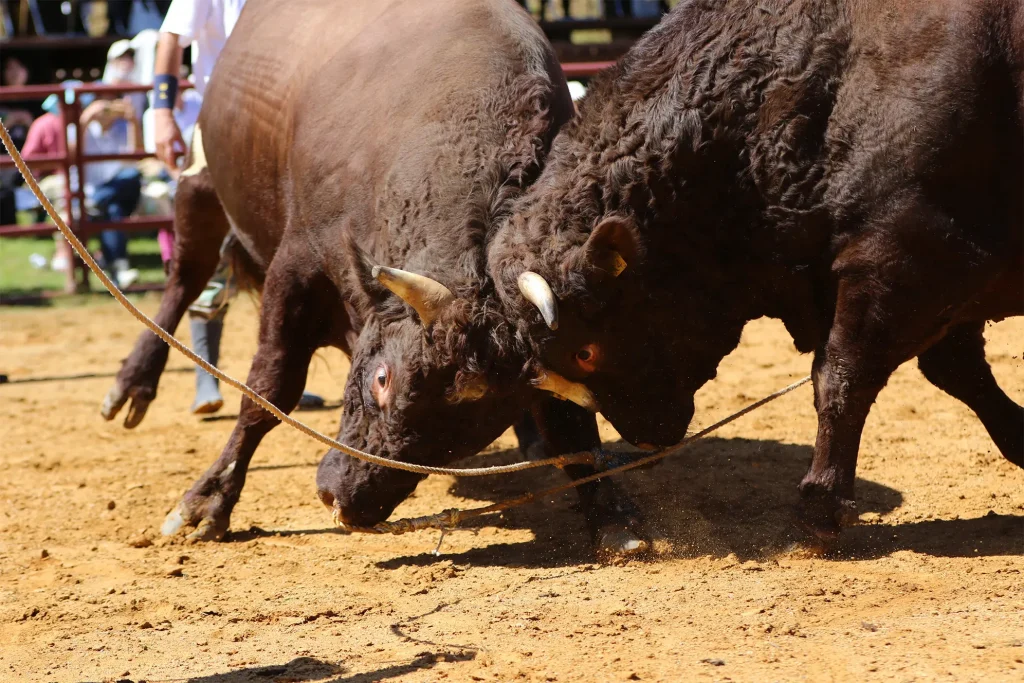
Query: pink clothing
[(165, 238), (45, 137)]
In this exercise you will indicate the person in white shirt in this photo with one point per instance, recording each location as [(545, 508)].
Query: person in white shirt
[(206, 26)]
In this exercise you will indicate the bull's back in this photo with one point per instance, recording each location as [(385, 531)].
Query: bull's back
[(252, 100), (310, 110)]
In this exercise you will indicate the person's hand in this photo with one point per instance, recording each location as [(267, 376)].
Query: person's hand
[(119, 109), (97, 111), (169, 143), (127, 110)]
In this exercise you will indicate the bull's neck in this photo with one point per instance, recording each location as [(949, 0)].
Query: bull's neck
[(708, 236), (691, 135)]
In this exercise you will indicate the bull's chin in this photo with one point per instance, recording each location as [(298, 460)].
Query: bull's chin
[(649, 437)]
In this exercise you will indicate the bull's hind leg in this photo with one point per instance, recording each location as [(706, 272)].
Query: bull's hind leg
[(293, 324), (896, 286), (614, 520), (199, 228), (531, 443), (957, 365)]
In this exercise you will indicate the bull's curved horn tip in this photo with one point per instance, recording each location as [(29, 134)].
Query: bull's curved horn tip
[(537, 291)]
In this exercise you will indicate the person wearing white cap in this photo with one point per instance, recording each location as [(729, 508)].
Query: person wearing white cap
[(205, 25), (121, 70), (111, 187)]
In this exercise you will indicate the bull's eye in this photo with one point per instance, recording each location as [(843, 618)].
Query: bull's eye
[(586, 358), (381, 385)]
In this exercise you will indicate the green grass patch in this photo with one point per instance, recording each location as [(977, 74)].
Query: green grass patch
[(19, 277)]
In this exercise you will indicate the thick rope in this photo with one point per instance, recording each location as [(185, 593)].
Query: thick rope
[(80, 249), (452, 517)]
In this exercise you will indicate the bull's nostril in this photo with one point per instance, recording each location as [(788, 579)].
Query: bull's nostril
[(343, 518), (327, 498)]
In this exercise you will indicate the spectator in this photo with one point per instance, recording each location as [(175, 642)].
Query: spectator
[(205, 25), (112, 188), (186, 113), (120, 70), (17, 115), (47, 137)]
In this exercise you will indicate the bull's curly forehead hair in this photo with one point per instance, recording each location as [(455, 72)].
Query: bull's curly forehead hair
[(475, 336), (548, 238)]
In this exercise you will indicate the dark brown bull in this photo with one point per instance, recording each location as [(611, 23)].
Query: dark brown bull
[(346, 141), (854, 168)]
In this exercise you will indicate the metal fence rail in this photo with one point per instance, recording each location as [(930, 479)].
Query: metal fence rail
[(76, 157)]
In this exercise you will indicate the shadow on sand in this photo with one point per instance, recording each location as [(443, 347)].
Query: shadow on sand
[(718, 497), (308, 669)]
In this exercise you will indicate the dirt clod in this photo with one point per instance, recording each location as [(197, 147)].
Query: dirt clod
[(140, 542)]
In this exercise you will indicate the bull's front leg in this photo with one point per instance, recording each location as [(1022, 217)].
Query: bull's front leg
[(293, 321), (613, 518), (892, 300)]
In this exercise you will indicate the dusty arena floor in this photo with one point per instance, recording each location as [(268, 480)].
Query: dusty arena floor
[(931, 587)]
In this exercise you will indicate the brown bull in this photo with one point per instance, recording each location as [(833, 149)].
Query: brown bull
[(363, 154), (854, 168)]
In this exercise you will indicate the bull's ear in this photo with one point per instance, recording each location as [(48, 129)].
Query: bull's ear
[(368, 294), (614, 245)]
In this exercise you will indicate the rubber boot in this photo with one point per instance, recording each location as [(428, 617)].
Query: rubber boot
[(206, 342)]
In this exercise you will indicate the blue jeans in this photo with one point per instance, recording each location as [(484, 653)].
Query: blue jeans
[(115, 200)]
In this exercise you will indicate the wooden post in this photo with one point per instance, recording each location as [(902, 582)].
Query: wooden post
[(70, 117)]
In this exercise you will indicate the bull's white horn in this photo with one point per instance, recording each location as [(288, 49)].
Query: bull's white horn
[(566, 390), (427, 297), (538, 292)]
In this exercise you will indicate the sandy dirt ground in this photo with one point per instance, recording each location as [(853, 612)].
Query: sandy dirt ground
[(929, 588)]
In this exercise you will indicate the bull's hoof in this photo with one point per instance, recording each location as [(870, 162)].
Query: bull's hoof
[(207, 528), (115, 400), (824, 514), (173, 522), (619, 543)]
